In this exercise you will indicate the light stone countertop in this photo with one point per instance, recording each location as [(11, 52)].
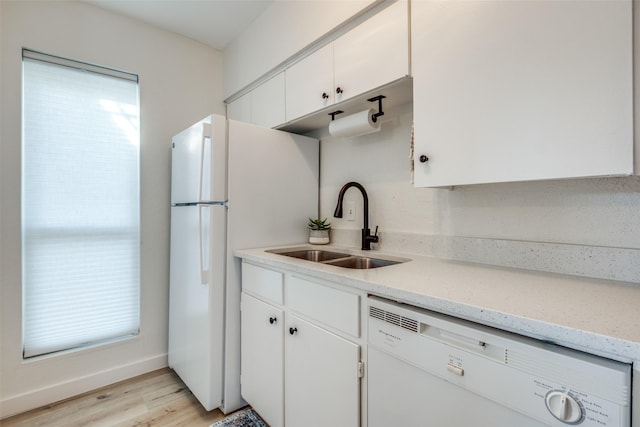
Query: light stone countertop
[(598, 316)]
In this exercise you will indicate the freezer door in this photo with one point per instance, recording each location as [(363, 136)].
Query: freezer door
[(196, 299), (199, 162)]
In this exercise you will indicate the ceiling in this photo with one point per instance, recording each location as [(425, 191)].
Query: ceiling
[(212, 22)]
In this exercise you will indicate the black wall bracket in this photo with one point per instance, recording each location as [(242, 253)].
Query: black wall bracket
[(335, 113), (374, 117)]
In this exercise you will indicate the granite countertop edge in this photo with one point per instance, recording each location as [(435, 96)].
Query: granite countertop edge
[(529, 303)]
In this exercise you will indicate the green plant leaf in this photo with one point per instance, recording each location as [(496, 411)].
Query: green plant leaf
[(318, 224)]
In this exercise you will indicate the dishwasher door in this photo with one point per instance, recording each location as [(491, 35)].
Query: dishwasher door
[(427, 369), (399, 394)]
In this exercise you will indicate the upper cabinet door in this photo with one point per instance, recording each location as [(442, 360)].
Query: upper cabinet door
[(517, 91), (240, 109), (263, 106), (374, 53), (267, 102), (309, 84)]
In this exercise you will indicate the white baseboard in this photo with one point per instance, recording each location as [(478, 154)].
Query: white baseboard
[(34, 399)]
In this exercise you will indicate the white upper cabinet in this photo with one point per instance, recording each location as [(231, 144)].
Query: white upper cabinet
[(373, 54), (263, 106), (282, 30), (369, 56), (519, 90), (240, 109), (268, 101), (309, 84)]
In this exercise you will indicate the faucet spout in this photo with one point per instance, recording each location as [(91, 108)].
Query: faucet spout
[(367, 238)]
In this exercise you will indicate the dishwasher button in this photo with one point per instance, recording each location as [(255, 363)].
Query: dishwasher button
[(455, 369)]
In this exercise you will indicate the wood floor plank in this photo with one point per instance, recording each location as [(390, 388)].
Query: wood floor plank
[(185, 411), (165, 393), (158, 398)]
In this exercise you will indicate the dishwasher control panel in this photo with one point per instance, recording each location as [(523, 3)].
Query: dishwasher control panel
[(548, 384)]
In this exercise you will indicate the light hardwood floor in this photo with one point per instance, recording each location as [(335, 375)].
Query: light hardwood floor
[(158, 398)]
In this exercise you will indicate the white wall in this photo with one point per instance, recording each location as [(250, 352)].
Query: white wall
[(593, 212), (180, 82), (282, 30)]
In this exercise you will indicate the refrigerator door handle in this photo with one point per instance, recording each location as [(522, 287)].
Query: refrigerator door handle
[(203, 240), (205, 163)]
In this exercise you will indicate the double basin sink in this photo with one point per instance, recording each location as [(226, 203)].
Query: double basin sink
[(337, 259)]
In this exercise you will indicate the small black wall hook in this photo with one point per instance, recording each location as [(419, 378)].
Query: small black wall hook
[(374, 117)]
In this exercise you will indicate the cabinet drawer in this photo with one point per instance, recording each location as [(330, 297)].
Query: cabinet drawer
[(262, 282), (330, 306)]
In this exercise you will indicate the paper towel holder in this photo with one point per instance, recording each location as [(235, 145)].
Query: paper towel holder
[(335, 113), (374, 117)]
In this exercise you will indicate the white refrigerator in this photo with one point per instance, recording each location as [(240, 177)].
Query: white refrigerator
[(233, 185)]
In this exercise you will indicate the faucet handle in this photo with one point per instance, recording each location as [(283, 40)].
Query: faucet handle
[(375, 238)]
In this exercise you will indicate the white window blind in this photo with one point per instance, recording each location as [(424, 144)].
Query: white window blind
[(80, 204)]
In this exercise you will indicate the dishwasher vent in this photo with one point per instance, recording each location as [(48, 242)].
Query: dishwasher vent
[(394, 319)]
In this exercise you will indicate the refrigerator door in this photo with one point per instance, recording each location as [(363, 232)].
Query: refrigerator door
[(198, 256), (196, 299), (199, 162)]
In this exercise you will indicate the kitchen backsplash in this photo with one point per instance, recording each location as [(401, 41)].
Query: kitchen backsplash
[(580, 260)]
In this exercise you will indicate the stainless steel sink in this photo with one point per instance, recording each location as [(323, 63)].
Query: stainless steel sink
[(362, 262), (315, 255), (337, 259)]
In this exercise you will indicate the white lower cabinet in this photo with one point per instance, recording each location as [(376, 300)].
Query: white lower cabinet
[(298, 369), (322, 386), (261, 356)]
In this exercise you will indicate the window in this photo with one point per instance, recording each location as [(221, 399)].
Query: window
[(80, 204)]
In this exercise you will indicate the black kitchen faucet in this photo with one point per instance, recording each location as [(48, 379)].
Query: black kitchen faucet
[(367, 238)]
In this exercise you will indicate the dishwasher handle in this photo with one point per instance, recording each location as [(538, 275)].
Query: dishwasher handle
[(451, 337)]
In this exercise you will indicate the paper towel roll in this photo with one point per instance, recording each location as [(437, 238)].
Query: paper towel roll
[(355, 124)]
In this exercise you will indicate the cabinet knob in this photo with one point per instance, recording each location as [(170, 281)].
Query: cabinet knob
[(325, 95), (424, 159), (338, 90), (293, 331), (273, 320)]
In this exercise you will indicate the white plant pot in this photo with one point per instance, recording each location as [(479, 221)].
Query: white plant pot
[(319, 237)]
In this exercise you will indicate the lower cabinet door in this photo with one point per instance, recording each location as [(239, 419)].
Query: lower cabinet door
[(322, 385), (262, 359)]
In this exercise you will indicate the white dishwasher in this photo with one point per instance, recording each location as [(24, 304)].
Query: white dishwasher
[(427, 369)]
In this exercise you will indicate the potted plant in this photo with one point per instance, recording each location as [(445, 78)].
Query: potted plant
[(318, 231)]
